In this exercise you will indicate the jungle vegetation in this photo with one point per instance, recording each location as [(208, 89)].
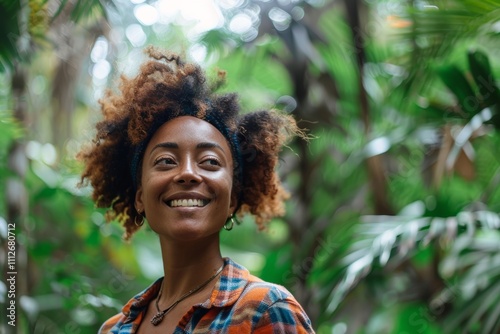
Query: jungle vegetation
[(393, 224)]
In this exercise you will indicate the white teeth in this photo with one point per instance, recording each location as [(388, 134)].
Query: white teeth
[(186, 202)]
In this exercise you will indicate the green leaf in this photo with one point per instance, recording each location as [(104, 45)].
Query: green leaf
[(483, 76), (468, 310), (492, 323), (9, 33), (278, 267), (455, 80)]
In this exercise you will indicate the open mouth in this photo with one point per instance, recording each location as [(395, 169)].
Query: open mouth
[(187, 203)]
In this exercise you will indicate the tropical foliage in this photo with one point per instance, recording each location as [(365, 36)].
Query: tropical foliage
[(393, 224)]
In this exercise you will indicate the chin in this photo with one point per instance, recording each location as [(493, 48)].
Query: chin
[(186, 231)]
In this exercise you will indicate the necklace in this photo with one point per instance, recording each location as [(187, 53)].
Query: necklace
[(158, 317)]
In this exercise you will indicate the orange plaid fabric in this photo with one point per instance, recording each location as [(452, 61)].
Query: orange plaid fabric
[(240, 303)]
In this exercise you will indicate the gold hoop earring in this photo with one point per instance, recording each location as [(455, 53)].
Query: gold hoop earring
[(141, 222), (228, 226)]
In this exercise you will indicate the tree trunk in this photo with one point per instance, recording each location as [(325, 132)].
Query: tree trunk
[(15, 268), (374, 164)]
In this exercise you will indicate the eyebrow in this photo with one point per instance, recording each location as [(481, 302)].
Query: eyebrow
[(201, 145), (209, 145)]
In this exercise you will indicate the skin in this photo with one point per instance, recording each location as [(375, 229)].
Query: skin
[(186, 158)]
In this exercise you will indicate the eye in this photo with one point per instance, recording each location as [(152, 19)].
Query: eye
[(212, 162), (164, 161)]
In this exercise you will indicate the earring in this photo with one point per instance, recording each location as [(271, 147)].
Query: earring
[(228, 226), (139, 224)]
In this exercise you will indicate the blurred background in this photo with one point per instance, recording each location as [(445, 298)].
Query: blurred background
[(393, 224)]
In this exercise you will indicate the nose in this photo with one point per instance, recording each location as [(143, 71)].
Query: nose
[(187, 173)]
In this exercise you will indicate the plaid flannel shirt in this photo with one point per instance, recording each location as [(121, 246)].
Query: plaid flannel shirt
[(239, 303)]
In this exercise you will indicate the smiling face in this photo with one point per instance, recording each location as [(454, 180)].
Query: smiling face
[(186, 181)]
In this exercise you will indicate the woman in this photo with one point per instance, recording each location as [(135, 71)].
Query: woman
[(171, 152)]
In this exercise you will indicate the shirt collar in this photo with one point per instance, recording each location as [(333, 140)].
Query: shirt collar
[(229, 286), (227, 290), (140, 301)]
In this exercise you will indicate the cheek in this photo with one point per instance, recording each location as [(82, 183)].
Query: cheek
[(231, 197), (228, 182), (152, 186)]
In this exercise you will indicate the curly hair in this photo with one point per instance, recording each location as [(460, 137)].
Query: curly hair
[(167, 87)]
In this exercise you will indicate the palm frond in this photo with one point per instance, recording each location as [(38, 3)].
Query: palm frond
[(82, 9), (434, 29), (472, 271), (9, 33), (388, 240), (455, 19)]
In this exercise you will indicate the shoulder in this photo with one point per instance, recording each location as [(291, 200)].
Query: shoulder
[(270, 308), (129, 319), (237, 285), (275, 309), (107, 327), (266, 292)]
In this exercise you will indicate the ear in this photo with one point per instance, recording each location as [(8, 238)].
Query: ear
[(139, 204)]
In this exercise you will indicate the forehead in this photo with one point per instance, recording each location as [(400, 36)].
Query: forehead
[(189, 130)]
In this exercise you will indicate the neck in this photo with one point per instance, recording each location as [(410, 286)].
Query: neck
[(187, 265)]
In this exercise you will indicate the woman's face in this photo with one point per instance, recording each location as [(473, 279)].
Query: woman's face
[(186, 181)]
